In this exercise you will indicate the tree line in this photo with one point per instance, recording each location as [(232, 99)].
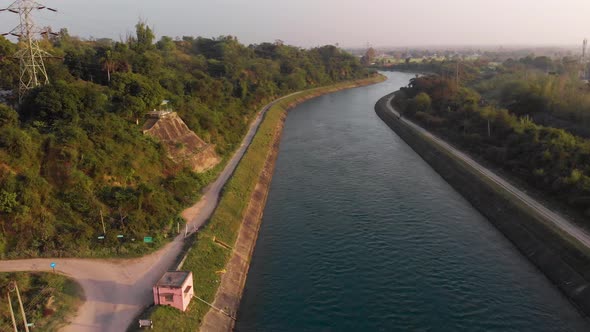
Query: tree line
[(516, 117), (73, 157)]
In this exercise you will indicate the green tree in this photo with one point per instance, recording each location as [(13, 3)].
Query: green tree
[(76, 150), (8, 116), (543, 62), (8, 201), (369, 56), (108, 64), (135, 94), (8, 67), (144, 37), (422, 102), (166, 44), (52, 103)]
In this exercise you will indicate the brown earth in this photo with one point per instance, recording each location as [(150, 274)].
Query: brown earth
[(181, 143)]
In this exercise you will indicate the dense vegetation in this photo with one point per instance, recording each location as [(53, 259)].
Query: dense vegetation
[(48, 299), (72, 154), (206, 258), (529, 117)]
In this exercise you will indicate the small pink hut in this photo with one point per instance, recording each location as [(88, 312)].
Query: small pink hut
[(175, 289)]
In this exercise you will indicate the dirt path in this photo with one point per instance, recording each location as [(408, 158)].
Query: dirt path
[(230, 290), (117, 290)]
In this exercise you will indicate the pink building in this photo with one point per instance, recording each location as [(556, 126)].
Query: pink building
[(175, 289)]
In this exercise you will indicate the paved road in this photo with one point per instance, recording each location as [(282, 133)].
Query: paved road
[(117, 290), (574, 231)]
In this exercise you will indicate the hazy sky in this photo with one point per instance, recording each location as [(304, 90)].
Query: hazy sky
[(317, 22)]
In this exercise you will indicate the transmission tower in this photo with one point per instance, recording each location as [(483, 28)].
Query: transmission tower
[(30, 55)]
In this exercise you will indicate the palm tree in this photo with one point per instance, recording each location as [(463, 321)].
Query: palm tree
[(108, 64)]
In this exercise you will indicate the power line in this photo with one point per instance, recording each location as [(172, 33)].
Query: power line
[(87, 24), (42, 294), (32, 67), (51, 285)]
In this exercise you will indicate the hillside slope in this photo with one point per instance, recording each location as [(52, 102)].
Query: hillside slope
[(182, 145), (77, 175)]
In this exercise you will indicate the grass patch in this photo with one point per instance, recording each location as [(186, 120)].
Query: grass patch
[(206, 257), (49, 300)]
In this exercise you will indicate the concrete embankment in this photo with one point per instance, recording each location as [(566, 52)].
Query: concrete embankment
[(563, 261), (232, 283)]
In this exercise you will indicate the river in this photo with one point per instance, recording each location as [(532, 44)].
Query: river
[(360, 234)]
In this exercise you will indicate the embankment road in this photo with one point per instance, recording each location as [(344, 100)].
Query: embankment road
[(575, 232), (558, 247)]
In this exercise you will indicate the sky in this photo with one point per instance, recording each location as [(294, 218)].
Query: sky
[(308, 23)]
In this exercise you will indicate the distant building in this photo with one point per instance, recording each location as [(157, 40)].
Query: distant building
[(174, 289)]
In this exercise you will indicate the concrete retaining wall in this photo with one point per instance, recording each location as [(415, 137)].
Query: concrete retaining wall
[(230, 291), (565, 265)]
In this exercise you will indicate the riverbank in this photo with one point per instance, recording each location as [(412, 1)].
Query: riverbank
[(231, 288), (216, 244), (564, 262)]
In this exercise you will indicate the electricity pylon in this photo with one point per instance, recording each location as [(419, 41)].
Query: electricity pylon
[(30, 55)]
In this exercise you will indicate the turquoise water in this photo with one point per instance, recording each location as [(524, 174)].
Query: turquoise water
[(360, 234)]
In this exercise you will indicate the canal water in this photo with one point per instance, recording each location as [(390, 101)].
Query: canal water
[(360, 234)]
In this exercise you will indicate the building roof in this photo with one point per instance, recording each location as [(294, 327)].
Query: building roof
[(173, 279)]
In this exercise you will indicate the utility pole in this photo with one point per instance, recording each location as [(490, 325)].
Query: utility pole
[(30, 55), (11, 312), (22, 308), (104, 230)]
